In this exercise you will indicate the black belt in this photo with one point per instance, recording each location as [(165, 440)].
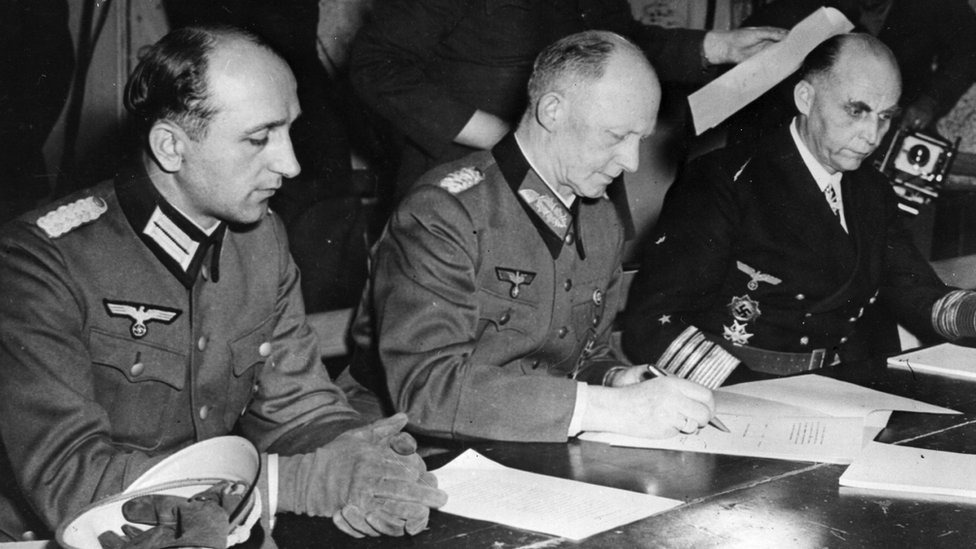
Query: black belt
[(776, 362)]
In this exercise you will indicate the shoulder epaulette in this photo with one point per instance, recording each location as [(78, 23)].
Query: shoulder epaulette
[(461, 180), (68, 217)]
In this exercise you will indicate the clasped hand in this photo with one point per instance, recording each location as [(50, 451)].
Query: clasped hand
[(370, 480)]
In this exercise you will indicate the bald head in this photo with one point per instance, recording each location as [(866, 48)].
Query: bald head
[(844, 50), (579, 60), (592, 98)]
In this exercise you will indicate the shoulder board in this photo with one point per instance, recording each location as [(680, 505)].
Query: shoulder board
[(68, 217), (461, 180)]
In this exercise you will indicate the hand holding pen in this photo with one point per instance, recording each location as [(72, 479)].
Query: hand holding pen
[(653, 371)]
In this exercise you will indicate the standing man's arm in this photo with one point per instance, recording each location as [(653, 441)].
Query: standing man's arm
[(387, 70), (682, 55)]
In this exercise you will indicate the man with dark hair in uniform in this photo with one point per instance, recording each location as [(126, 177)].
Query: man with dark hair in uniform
[(162, 308)]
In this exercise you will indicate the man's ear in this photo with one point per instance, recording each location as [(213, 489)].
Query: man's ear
[(550, 109), (166, 143), (803, 93)]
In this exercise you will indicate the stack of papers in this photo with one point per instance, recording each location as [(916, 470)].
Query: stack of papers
[(802, 418), (481, 489)]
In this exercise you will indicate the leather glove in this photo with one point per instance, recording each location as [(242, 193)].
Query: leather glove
[(199, 521), (370, 480)]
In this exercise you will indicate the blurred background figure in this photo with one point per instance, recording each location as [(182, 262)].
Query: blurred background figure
[(35, 75)]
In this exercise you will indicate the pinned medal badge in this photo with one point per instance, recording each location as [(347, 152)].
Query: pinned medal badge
[(756, 276), (744, 308), (551, 211), (514, 277), (140, 315), (736, 333)]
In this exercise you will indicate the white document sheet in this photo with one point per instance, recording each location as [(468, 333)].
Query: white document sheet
[(803, 418), (828, 396), (812, 438), (890, 467), (481, 489), (745, 82), (944, 359)]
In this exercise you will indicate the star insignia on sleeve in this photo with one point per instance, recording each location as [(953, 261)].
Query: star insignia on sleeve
[(664, 319), (736, 333)]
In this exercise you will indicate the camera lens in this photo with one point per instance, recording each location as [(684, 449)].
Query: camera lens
[(919, 155)]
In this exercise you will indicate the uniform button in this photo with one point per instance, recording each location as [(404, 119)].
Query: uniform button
[(504, 318), (204, 272), (202, 343), (568, 285), (264, 349), (570, 238), (843, 340), (808, 315), (872, 299), (204, 412), (597, 297), (596, 320), (800, 297), (137, 369), (852, 319), (804, 340), (562, 332)]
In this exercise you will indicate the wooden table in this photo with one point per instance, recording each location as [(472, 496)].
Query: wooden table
[(731, 501)]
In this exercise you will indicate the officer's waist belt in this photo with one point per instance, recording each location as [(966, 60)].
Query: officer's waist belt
[(779, 363)]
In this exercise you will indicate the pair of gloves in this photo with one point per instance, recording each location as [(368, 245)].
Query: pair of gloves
[(202, 520), (370, 480)]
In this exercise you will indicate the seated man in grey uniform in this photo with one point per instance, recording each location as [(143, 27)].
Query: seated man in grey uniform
[(163, 308), (790, 252), (497, 280)]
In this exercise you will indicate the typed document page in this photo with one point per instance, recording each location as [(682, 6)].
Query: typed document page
[(481, 489)]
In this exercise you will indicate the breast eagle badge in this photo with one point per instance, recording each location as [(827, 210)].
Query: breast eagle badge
[(756, 277), (516, 278), (140, 315)]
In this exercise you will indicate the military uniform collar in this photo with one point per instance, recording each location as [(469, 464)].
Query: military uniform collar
[(556, 224), (177, 242), (525, 183)]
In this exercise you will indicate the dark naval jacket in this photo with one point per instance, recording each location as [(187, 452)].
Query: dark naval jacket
[(748, 250)]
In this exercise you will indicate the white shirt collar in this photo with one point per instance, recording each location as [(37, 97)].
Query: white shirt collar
[(817, 170)]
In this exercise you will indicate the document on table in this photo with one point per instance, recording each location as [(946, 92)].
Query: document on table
[(481, 489), (944, 359), (811, 438), (897, 468), (804, 418), (751, 78), (827, 396)]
